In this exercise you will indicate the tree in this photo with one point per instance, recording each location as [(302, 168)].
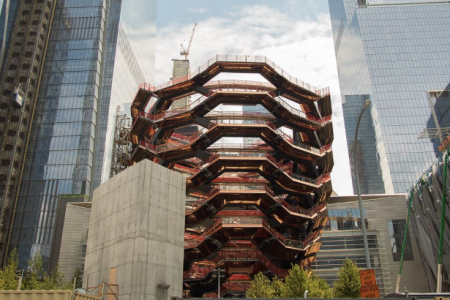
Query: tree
[(55, 281), (277, 285), (79, 278), (261, 287), (36, 275), (8, 277), (295, 283), (38, 279), (349, 282), (318, 287)]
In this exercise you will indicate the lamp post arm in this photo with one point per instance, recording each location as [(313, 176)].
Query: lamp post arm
[(361, 210)]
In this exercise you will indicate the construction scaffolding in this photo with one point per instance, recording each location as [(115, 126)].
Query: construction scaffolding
[(122, 143), (250, 207), (426, 210), (19, 88), (439, 130)]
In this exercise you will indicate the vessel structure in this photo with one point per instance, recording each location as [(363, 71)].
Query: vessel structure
[(250, 207)]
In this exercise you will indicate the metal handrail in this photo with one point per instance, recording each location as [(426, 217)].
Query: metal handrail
[(234, 286), (198, 134), (192, 243), (249, 59)]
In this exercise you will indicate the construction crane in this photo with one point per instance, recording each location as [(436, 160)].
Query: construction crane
[(184, 51)]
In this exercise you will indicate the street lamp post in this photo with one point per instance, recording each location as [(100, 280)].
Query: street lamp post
[(361, 211)]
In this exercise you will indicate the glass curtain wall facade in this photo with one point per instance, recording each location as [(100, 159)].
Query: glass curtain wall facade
[(98, 53), (13, 6), (249, 110), (391, 52)]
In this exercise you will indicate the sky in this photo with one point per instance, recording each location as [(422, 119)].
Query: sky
[(295, 34)]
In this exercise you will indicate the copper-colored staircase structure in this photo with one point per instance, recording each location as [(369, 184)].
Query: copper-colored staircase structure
[(251, 207)]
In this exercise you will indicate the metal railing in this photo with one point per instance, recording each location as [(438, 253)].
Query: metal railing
[(239, 180), (248, 59), (241, 187), (198, 271), (249, 255), (287, 168), (295, 241), (295, 209), (235, 82), (194, 206), (170, 145), (241, 221), (298, 241), (193, 242), (234, 287), (171, 113), (241, 146)]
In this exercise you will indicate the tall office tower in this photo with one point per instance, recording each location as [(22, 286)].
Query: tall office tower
[(98, 51), (391, 52), (250, 111), (26, 37), (10, 14)]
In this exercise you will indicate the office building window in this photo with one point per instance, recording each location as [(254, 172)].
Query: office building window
[(396, 233)]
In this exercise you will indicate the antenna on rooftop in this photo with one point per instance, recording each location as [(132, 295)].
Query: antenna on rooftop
[(184, 51)]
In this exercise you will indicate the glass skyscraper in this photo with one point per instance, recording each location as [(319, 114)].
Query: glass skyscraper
[(13, 5), (392, 52), (99, 52)]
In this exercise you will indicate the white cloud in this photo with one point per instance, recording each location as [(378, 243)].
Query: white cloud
[(303, 48), (198, 10)]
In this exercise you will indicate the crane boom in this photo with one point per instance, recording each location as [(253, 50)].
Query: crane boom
[(185, 52)]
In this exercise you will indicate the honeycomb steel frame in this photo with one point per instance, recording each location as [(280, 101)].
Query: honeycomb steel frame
[(250, 208)]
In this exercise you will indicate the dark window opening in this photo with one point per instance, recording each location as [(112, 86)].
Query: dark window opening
[(396, 234)]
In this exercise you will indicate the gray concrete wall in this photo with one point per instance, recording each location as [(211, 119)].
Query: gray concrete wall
[(136, 233)]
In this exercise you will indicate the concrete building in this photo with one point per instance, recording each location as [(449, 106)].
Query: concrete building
[(386, 219), (72, 252), (392, 52), (136, 233), (181, 69), (95, 55), (70, 234)]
